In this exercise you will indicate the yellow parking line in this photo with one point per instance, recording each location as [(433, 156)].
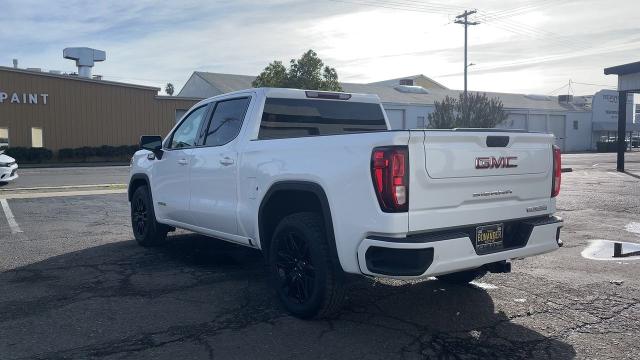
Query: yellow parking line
[(62, 193)]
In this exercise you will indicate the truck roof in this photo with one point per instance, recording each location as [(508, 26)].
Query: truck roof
[(300, 94)]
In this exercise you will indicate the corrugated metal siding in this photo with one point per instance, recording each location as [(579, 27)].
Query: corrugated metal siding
[(84, 113)]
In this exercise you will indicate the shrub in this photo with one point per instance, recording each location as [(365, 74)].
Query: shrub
[(65, 154), (32, 155), (104, 153)]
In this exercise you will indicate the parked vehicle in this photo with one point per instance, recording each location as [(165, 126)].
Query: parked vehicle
[(317, 182), (8, 166)]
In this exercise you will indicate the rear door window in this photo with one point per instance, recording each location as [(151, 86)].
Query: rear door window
[(226, 121), (287, 118)]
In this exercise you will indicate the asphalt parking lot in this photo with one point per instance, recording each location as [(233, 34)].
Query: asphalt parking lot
[(75, 285)]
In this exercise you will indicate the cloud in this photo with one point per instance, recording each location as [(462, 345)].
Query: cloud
[(152, 42)]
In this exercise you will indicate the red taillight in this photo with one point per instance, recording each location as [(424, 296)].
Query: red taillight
[(557, 172), (390, 174)]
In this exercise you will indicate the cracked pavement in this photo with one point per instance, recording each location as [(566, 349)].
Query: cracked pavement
[(75, 285)]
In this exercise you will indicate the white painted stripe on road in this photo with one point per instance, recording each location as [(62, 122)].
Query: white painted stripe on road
[(617, 174), (61, 187), (13, 225), (633, 227), (62, 193)]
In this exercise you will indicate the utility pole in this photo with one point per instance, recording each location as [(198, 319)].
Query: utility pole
[(463, 19)]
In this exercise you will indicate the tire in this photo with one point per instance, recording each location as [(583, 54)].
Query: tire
[(308, 281), (147, 231), (462, 277)]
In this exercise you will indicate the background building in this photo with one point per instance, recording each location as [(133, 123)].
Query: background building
[(55, 111), (578, 122)]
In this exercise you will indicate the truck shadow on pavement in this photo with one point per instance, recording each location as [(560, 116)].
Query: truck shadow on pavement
[(201, 298)]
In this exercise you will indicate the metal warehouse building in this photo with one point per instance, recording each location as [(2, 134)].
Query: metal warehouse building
[(39, 109), (578, 122)]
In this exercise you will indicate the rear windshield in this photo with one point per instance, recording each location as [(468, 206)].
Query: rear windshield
[(288, 118)]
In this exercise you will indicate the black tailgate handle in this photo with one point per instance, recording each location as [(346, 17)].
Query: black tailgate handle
[(497, 141)]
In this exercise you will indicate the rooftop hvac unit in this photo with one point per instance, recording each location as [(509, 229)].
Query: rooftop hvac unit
[(565, 98)]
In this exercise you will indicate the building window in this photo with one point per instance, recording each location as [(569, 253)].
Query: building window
[(179, 114), (4, 137), (575, 124), (421, 122), (36, 137)]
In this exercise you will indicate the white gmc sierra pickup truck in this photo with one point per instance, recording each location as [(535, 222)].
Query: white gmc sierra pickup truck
[(317, 182)]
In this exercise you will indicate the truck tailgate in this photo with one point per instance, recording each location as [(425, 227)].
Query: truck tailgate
[(465, 177)]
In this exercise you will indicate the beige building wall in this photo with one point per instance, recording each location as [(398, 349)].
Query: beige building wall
[(74, 112)]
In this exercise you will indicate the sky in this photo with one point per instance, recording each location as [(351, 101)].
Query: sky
[(523, 46)]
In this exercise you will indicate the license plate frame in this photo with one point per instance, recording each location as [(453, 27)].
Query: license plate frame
[(489, 238)]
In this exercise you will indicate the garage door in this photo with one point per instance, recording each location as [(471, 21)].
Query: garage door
[(537, 123), (396, 119), (557, 126)]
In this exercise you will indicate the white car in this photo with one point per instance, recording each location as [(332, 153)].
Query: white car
[(8, 168), (317, 182)]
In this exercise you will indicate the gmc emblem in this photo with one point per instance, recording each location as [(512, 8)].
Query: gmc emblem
[(491, 162)]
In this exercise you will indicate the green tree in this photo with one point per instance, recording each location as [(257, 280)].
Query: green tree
[(169, 89), (274, 75), (477, 111), (307, 72)]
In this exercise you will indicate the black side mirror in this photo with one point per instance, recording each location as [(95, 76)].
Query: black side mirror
[(152, 143)]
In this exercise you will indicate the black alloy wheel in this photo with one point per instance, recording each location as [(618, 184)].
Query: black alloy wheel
[(295, 268), (140, 217), (307, 278), (146, 230)]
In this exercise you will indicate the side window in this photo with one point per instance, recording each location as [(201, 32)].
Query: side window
[(187, 132), (226, 121)]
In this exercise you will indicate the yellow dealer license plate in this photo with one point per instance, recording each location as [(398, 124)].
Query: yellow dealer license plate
[(489, 237)]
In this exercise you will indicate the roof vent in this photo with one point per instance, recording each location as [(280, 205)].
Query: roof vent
[(411, 89), (565, 99), (85, 58), (55, 72), (34, 69), (408, 82)]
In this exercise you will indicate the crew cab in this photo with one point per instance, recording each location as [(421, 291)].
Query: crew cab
[(318, 183)]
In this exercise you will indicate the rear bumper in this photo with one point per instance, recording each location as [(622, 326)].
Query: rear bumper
[(8, 173), (451, 251)]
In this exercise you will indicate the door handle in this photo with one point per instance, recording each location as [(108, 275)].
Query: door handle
[(226, 161), (182, 162)]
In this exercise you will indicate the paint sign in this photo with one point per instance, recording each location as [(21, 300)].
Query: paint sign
[(8, 97)]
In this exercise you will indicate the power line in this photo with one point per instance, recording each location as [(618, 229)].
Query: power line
[(591, 84), (558, 89), (495, 17)]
